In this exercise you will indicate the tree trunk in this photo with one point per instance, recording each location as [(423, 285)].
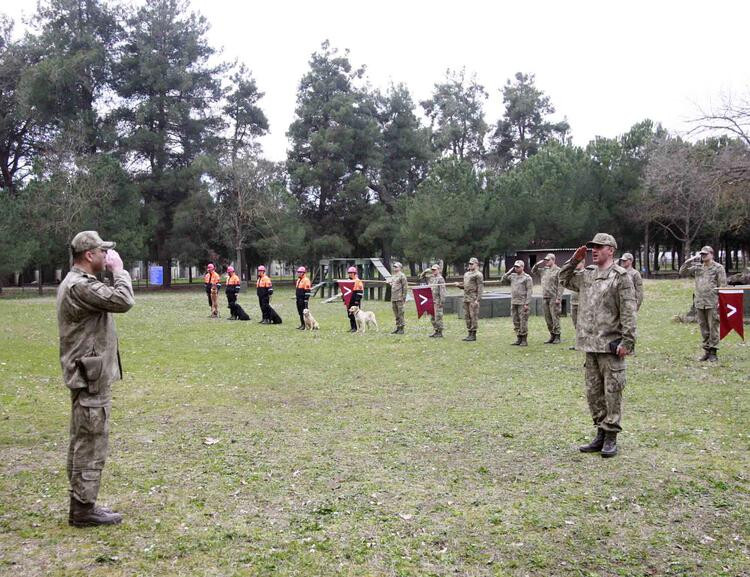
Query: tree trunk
[(647, 251), (40, 288), (238, 264), (166, 265)]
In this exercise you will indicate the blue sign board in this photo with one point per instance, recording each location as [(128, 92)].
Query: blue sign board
[(156, 275)]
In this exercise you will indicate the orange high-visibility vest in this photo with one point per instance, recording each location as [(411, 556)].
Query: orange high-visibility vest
[(303, 283), (263, 282), (358, 284), (233, 280), (211, 278)]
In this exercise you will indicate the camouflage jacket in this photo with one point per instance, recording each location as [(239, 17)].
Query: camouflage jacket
[(399, 287), (550, 279), (607, 309), (437, 282), (473, 284), (87, 330), (521, 287), (707, 278), (635, 276)]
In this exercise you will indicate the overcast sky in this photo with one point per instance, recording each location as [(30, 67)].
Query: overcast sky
[(605, 65)]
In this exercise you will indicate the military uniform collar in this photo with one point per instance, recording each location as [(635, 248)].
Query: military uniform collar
[(604, 273), (80, 271)]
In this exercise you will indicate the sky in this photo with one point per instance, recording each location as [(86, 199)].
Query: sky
[(604, 64)]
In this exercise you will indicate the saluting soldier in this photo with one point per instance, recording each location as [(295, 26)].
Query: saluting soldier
[(473, 284), (399, 288), (437, 283), (606, 332), (90, 360), (626, 261), (521, 288), (709, 275), (552, 292)]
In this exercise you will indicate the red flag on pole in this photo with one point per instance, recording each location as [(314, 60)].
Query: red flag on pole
[(423, 300), (347, 288), (730, 312)]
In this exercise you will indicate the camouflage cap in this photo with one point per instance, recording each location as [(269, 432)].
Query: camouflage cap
[(707, 249), (518, 263), (89, 240), (397, 264), (435, 266), (549, 256), (602, 239), (473, 260), (626, 256)]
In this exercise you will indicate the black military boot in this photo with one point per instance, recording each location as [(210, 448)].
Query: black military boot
[(555, 340), (89, 515), (550, 339), (398, 331), (609, 449), (472, 336), (706, 355), (518, 341), (524, 342), (595, 445), (438, 334), (301, 327), (712, 357)]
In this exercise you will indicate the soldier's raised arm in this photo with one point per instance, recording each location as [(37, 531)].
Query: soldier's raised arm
[(93, 295), (688, 267), (560, 287), (568, 277), (627, 304), (536, 266)]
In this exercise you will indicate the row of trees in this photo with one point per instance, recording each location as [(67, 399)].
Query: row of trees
[(128, 122)]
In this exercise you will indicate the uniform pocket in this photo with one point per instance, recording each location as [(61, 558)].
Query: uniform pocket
[(615, 380)]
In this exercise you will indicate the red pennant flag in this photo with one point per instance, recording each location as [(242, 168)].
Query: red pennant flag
[(346, 287), (730, 312), (423, 300)]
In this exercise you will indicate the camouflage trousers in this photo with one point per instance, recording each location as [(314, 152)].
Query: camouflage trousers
[(520, 320), (471, 315), (398, 313), (708, 320), (574, 314), (437, 319), (552, 316), (89, 443), (605, 380)]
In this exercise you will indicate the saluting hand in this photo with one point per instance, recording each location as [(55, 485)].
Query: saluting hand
[(113, 261), (580, 253)]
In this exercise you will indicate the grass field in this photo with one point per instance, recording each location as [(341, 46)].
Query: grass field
[(376, 454)]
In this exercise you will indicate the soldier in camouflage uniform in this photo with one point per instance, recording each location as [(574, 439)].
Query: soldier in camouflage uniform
[(437, 282), (626, 262), (606, 332), (552, 292), (399, 288), (90, 362), (709, 275), (521, 287), (472, 285)]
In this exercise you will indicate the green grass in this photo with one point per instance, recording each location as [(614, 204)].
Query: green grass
[(375, 454)]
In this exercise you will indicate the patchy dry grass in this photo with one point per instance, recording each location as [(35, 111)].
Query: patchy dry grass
[(376, 454)]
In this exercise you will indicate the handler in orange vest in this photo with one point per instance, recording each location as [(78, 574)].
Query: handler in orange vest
[(212, 282), (232, 290), (264, 288), (357, 293), (303, 287)]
